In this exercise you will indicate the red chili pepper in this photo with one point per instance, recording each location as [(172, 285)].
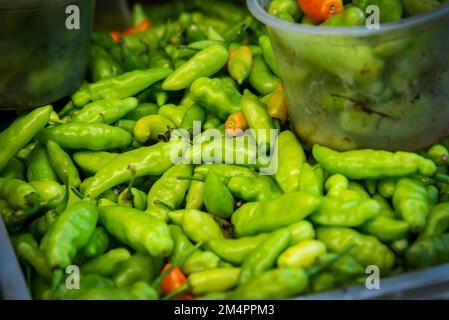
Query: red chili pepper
[(143, 26), (320, 10), (115, 35), (173, 281)]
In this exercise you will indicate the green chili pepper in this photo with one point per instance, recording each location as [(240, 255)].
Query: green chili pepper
[(158, 59), (291, 7), (182, 244), (346, 266), (203, 64), (256, 115), (257, 188), (438, 154), (127, 125), (386, 187), (264, 256), (106, 264), (201, 261), (153, 160), (291, 159), (268, 54), (434, 195), (224, 170), (437, 221), (27, 249), (261, 78), (93, 161), (173, 113), (152, 127), (411, 201), (214, 280), (257, 217), (103, 39), (351, 16), (371, 164), (216, 96), (144, 109), (195, 195), (400, 246), (97, 244), (194, 113), (385, 228), (169, 192), (140, 267), (39, 167), (337, 211), (335, 184), (240, 63), (139, 291), (50, 192), (106, 111), (137, 229), (301, 255), (14, 169), (310, 181), (368, 249), (218, 199), (91, 136), (390, 10), (132, 60), (134, 198), (200, 226), (70, 233), (62, 164), (19, 194), (102, 65), (274, 284), (122, 86), (39, 227), (20, 133), (429, 251)]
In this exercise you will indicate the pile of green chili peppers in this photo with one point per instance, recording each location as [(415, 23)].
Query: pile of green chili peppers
[(92, 184)]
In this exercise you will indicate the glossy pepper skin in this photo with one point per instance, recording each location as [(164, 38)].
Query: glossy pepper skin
[(70, 233), (411, 201), (142, 110), (168, 192), (102, 65), (90, 136), (105, 111), (264, 256), (216, 96), (107, 263), (273, 284), (291, 158), (368, 250), (257, 116), (371, 164), (301, 255), (257, 188), (140, 267), (218, 199), (173, 113), (201, 261), (311, 180), (429, 251), (261, 78), (390, 10), (63, 164), (203, 64), (437, 221), (97, 244), (123, 86), (225, 170), (19, 194), (277, 105), (133, 198), (240, 63), (351, 16), (153, 160), (152, 127), (27, 249), (20, 133), (268, 54), (139, 230), (51, 193), (39, 167), (335, 211), (214, 280), (385, 228), (256, 217), (195, 195), (39, 227), (90, 162), (200, 226)]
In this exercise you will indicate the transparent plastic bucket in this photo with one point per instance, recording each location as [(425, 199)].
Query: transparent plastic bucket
[(42, 60), (350, 88)]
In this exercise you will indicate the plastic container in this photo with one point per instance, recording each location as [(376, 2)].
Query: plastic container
[(350, 88), (42, 60)]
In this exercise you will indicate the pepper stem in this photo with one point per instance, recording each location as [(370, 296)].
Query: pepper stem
[(314, 271), (184, 288), (191, 178)]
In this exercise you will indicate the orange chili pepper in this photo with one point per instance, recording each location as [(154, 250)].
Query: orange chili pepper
[(277, 105), (173, 281), (141, 27), (115, 35), (235, 122), (321, 10)]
